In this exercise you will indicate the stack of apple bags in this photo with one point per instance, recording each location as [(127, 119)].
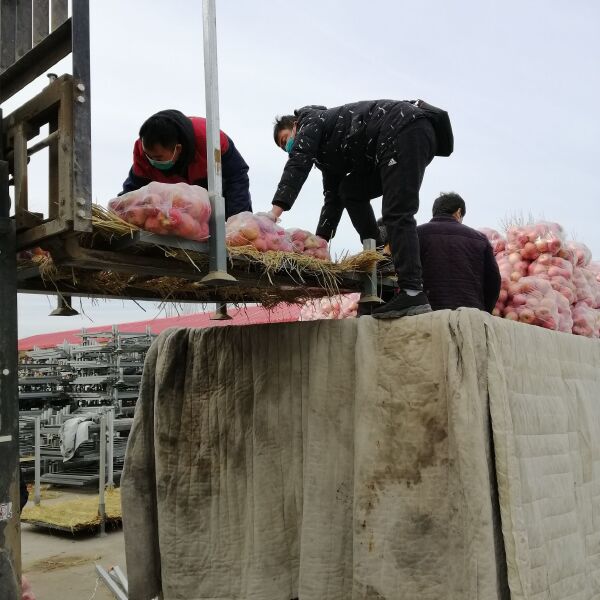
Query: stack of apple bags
[(342, 306), (546, 280), (184, 210)]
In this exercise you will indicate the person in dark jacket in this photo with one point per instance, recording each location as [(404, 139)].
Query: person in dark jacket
[(459, 268), (172, 149), (364, 150)]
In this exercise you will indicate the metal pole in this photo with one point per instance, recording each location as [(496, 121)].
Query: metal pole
[(110, 583), (102, 482), (369, 295), (111, 435), (10, 533), (121, 577), (37, 495), (218, 253)]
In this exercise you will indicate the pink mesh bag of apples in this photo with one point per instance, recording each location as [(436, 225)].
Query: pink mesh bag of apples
[(546, 280), (343, 306), (167, 209), (260, 232)]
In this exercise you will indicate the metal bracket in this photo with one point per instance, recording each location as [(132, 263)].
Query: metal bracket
[(221, 313)]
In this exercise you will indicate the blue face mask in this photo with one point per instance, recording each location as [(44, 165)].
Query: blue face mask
[(163, 165), (289, 144)]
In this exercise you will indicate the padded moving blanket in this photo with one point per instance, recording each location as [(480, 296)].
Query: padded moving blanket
[(545, 404), (353, 459)]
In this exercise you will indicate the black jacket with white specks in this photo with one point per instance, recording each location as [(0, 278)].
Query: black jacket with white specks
[(340, 140)]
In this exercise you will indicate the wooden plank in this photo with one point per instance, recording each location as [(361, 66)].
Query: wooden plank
[(60, 12), (40, 109), (53, 172), (54, 106), (23, 31), (26, 219), (41, 20), (145, 238), (20, 169), (41, 287), (8, 19), (15, 76), (64, 163), (76, 256), (32, 237)]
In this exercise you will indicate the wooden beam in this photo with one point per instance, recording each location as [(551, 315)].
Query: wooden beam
[(53, 197), (64, 158), (40, 109), (20, 168), (14, 76), (76, 256), (33, 237)]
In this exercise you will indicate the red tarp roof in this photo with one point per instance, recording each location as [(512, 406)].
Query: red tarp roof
[(242, 316)]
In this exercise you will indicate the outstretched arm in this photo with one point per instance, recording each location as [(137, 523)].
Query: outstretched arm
[(332, 210), (299, 163)]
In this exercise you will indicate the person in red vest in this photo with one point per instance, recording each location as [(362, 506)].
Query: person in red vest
[(172, 149)]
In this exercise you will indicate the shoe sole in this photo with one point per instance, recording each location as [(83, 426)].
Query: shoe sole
[(411, 311)]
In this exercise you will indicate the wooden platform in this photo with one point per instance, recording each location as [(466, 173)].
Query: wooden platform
[(145, 266)]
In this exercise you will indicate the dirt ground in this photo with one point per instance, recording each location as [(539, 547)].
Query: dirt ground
[(60, 566)]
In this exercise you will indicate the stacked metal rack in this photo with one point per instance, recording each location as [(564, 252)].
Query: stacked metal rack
[(107, 368), (99, 376), (43, 375), (83, 468), (88, 461)]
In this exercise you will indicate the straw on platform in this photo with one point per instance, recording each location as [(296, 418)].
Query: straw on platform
[(80, 513), (111, 224), (325, 276)]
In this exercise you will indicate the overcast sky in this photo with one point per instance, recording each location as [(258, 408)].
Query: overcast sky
[(520, 80)]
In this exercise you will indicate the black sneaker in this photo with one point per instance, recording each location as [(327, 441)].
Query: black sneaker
[(403, 305)]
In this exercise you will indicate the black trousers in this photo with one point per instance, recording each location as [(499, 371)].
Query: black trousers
[(398, 178)]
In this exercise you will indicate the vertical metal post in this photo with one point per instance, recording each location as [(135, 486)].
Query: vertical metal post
[(102, 480), (218, 253), (10, 532), (38, 461), (82, 119), (369, 295), (111, 451)]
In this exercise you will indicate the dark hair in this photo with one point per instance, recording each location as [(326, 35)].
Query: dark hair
[(281, 123), (159, 129), (447, 204)]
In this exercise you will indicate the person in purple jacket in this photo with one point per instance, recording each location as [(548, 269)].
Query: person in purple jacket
[(459, 267)]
